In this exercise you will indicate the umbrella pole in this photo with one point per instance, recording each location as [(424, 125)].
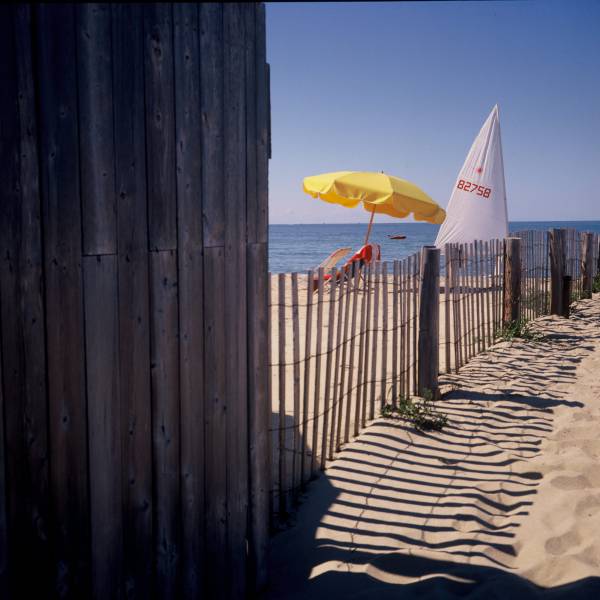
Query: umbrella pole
[(369, 229)]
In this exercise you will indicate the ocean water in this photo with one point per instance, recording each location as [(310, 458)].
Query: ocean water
[(301, 247)]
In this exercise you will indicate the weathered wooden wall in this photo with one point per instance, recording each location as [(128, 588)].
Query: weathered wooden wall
[(134, 145)]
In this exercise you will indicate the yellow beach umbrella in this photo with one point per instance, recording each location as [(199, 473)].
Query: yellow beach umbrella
[(378, 193)]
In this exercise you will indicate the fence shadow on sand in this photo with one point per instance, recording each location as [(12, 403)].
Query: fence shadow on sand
[(404, 513)]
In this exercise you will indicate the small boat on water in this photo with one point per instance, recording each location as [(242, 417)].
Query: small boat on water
[(477, 207)]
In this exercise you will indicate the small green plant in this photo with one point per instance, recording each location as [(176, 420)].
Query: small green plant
[(421, 413), (521, 328), (596, 284)]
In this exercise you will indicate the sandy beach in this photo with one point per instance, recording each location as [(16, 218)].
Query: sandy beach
[(504, 502), (347, 354)]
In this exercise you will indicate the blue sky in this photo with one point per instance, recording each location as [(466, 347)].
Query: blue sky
[(405, 87)]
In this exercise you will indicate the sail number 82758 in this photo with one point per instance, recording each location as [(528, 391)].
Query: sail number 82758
[(467, 186)]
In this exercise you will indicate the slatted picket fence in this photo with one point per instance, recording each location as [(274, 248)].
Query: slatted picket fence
[(340, 351)]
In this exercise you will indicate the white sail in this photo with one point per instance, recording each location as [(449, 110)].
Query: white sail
[(477, 207)]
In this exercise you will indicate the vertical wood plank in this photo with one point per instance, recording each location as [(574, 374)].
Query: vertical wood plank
[(296, 383), (35, 414), (337, 385), (104, 423), (234, 132), (11, 334), (376, 290), (344, 401), (188, 137), (587, 264), (211, 105), (415, 276), (307, 362), (473, 299), (353, 336), (215, 427), (95, 93), (258, 382), (250, 101), (24, 506), (479, 286), (4, 548), (164, 348), (384, 341), (558, 268), (488, 287), (447, 296), (59, 159), (259, 413), (462, 258), (395, 336), (512, 280), (456, 314), (281, 423), (429, 306), (263, 119), (328, 366), (160, 126), (133, 293), (318, 359), (215, 340), (363, 273), (364, 389), (405, 328)]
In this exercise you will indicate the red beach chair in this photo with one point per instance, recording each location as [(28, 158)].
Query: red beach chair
[(366, 255)]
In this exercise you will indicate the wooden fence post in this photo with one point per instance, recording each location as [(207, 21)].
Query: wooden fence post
[(512, 280), (429, 325), (587, 264), (557, 241), (567, 285)]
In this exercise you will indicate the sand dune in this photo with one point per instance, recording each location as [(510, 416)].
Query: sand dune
[(503, 503)]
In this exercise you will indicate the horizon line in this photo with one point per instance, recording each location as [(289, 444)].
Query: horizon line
[(422, 223)]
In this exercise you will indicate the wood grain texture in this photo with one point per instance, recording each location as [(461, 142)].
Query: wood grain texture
[(263, 124), (337, 386), (160, 126), (215, 416), (259, 415), (557, 242), (60, 190), (100, 282), (135, 170), (191, 285), (343, 398), (587, 264), (164, 357), (327, 398), (134, 298), (429, 306), (318, 361), (211, 106), (384, 334), (305, 464), (95, 94), (512, 280), (295, 475), (22, 317), (281, 421), (236, 356), (5, 557)]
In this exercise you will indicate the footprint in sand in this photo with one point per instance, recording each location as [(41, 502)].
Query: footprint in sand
[(562, 543), (588, 506), (592, 474), (578, 482)]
